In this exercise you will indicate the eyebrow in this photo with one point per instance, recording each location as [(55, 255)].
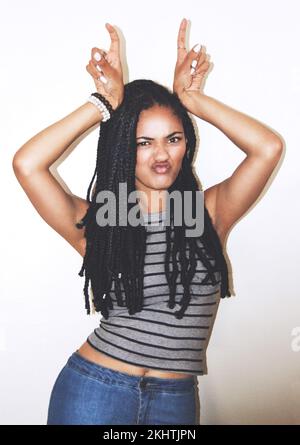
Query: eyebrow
[(151, 139)]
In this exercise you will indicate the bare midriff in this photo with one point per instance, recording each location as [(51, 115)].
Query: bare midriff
[(90, 353)]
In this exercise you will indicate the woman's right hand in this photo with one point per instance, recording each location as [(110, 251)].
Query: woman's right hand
[(107, 72)]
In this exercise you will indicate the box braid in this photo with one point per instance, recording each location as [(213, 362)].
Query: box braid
[(117, 253)]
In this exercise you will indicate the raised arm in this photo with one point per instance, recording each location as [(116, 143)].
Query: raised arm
[(31, 163), (228, 200)]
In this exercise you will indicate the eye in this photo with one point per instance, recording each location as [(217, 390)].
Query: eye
[(176, 137), (140, 143), (146, 142)]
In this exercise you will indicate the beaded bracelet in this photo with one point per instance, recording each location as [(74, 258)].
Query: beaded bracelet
[(101, 107), (105, 101), (102, 104)]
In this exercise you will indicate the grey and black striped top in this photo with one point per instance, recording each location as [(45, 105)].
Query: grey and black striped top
[(154, 338)]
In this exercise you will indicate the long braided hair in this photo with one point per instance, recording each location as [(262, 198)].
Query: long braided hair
[(116, 253)]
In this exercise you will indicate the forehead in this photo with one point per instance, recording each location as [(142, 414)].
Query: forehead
[(158, 120)]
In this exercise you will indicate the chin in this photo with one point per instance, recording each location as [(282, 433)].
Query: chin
[(163, 184), (158, 183)]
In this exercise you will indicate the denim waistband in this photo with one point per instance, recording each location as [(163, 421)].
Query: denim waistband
[(103, 373)]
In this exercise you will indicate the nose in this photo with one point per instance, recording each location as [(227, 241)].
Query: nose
[(161, 154)]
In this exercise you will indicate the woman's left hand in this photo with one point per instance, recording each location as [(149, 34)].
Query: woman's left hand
[(188, 75)]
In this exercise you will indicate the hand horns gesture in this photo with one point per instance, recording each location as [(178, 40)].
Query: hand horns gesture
[(106, 69), (191, 66)]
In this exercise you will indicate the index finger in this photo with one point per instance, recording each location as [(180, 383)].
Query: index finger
[(181, 49), (114, 46)]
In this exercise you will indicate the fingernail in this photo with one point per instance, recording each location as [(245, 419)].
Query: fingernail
[(194, 63), (192, 70), (103, 79), (97, 56), (98, 68), (197, 48)]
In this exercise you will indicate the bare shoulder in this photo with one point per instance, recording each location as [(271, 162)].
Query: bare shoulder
[(210, 200), (229, 200)]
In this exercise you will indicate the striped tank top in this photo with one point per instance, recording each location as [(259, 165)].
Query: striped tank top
[(154, 338)]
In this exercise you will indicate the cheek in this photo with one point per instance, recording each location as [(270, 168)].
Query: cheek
[(141, 162), (178, 156)]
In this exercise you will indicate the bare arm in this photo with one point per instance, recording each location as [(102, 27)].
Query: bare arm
[(43, 149), (232, 197), (228, 200), (32, 162)]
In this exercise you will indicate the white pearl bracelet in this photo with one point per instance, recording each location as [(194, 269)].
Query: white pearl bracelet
[(101, 107)]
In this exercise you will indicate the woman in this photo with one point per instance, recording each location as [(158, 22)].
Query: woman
[(156, 287)]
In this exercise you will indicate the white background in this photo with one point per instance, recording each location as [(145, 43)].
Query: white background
[(253, 371)]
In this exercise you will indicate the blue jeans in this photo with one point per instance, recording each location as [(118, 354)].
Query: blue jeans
[(86, 393)]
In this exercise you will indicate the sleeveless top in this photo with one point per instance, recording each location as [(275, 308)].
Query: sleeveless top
[(154, 338)]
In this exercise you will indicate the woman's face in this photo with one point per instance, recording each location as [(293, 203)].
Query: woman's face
[(161, 146)]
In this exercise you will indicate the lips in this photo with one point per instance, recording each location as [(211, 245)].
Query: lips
[(161, 168)]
